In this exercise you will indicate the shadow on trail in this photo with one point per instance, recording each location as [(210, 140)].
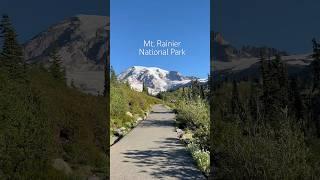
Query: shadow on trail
[(173, 161), (157, 123), (165, 112)]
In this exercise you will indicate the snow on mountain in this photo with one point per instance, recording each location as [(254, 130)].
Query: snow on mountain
[(224, 51), (155, 79), (246, 63), (81, 42)]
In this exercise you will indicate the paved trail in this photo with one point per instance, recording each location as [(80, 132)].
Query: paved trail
[(152, 151)]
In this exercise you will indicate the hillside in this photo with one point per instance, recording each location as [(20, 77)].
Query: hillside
[(81, 42), (128, 107), (48, 130), (66, 135)]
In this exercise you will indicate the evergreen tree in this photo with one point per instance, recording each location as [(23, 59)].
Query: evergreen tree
[(236, 105), (316, 65), (113, 76), (56, 69), (202, 94), (127, 84), (296, 100), (184, 93), (195, 89), (315, 97), (275, 88), (235, 98), (283, 81), (11, 55), (145, 88), (254, 102), (106, 90)]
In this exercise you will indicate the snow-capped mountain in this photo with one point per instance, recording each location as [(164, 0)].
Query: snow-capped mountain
[(155, 79), (81, 43), (245, 62), (224, 51)]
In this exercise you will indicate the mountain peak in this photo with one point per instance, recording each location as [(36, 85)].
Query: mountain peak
[(226, 52), (219, 39), (81, 42), (156, 79)]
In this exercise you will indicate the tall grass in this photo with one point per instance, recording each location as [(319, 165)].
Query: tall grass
[(124, 100)]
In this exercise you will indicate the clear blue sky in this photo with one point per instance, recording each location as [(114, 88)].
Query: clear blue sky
[(31, 17), (285, 24), (133, 21)]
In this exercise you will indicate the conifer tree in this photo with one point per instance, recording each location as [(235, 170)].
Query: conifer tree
[(316, 65), (11, 55), (145, 88), (235, 98), (113, 76), (236, 105), (127, 84), (315, 97), (296, 100), (183, 93), (195, 89), (106, 90), (275, 88), (253, 102), (202, 94), (283, 80), (56, 69)]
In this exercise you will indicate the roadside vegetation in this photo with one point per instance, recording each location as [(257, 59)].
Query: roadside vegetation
[(193, 120), (128, 107)]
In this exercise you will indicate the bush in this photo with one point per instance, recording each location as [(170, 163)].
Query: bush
[(123, 100), (32, 117), (201, 157), (195, 115), (24, 131), (269, 154)]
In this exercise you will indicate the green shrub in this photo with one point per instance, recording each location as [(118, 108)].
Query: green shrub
[(195, 115), (268, 154), (123, 100), (192, 116), (32, 116), (201, 157)]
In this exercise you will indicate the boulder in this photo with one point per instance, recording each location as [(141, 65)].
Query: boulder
[(129, 114), (61, 165), (179, 132), (118, 132)]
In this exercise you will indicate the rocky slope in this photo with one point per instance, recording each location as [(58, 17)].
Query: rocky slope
[(81, 43)]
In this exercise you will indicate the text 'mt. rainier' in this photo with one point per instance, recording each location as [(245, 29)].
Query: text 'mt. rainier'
[(162, 48)]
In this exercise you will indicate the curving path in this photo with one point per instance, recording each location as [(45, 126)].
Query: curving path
[(152, 151)]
